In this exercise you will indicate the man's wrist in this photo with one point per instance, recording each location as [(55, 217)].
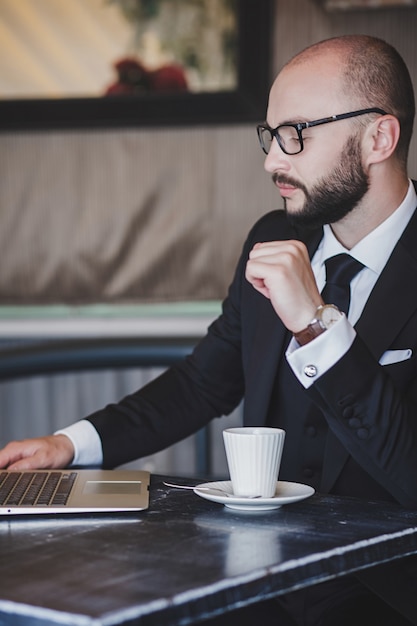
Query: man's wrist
[(86, 442), (326, 316), (322, 353)]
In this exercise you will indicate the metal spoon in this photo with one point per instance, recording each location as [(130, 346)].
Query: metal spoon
[(222, 491)]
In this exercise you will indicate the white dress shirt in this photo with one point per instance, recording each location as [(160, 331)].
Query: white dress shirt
[(373, 251)]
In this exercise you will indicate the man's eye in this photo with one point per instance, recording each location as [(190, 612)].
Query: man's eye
[(295, 141)]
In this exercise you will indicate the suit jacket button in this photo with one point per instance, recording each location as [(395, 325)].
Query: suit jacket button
[(355, 422), (362, 433), (308, 472), (311, 431), (347, 412)]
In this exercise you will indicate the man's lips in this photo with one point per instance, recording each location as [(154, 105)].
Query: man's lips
[(285, 189)]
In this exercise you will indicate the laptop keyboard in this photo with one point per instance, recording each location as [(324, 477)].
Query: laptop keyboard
[(36, 488)]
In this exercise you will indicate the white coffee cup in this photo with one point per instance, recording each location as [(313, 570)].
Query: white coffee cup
[(254, 457)]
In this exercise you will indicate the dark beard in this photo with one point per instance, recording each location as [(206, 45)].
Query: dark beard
[(335, 195)]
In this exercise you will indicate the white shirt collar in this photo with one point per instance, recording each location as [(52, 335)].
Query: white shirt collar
[(375, 249)]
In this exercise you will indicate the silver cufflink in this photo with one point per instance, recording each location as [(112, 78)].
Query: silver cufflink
[(310, 371)]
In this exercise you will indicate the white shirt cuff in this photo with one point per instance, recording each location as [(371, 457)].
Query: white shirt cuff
[(311, 361), (86, 442)]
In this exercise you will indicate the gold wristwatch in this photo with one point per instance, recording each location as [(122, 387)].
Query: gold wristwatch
[(326, 316)]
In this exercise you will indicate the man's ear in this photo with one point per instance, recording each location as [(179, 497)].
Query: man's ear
[(381, 139)]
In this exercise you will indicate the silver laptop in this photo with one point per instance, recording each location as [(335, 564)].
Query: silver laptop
[(73, 491)]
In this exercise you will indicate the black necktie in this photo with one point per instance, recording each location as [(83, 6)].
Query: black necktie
[(340, 270)]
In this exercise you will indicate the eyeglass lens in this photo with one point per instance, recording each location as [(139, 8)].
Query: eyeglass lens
[(288, 139)]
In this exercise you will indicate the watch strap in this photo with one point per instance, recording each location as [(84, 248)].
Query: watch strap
[(313, 330)]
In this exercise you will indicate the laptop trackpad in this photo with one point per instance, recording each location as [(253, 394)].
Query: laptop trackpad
[(111, 487)]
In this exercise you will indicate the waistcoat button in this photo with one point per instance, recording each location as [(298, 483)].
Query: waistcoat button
[(362, 433), (347, 412)]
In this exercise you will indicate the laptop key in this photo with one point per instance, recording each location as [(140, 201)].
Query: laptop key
[(19, 489), (48, 489), (64, 489), (9, 480), (38, 480)]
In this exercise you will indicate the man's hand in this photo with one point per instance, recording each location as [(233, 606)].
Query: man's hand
[(44, 452), (281, 271)]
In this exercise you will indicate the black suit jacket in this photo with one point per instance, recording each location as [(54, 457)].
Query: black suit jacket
[(370, 410)]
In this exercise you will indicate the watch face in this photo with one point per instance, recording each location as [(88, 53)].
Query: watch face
[(329, 315)]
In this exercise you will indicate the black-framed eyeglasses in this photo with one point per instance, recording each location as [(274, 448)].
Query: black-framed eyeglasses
[(290, 136)]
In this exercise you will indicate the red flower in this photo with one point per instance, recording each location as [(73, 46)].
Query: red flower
[(168, 78)]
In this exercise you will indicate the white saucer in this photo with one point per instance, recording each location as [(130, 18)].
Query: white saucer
[(285, 494)]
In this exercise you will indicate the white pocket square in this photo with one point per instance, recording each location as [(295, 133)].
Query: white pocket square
[(395, 356)]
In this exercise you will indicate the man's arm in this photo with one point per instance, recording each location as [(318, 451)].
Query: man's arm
[(177, 404)]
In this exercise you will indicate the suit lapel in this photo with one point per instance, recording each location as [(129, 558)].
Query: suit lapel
[(269, 342), (393, 298), (392, 301)]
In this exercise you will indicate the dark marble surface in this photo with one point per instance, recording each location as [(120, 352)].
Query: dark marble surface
[(186, 557)]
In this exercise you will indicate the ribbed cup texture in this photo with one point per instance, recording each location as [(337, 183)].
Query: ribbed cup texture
[(254, 457)]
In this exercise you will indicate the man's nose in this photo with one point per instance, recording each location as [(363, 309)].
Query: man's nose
[(276, 159)]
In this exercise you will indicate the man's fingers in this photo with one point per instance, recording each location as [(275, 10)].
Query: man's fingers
[(45, 452)]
